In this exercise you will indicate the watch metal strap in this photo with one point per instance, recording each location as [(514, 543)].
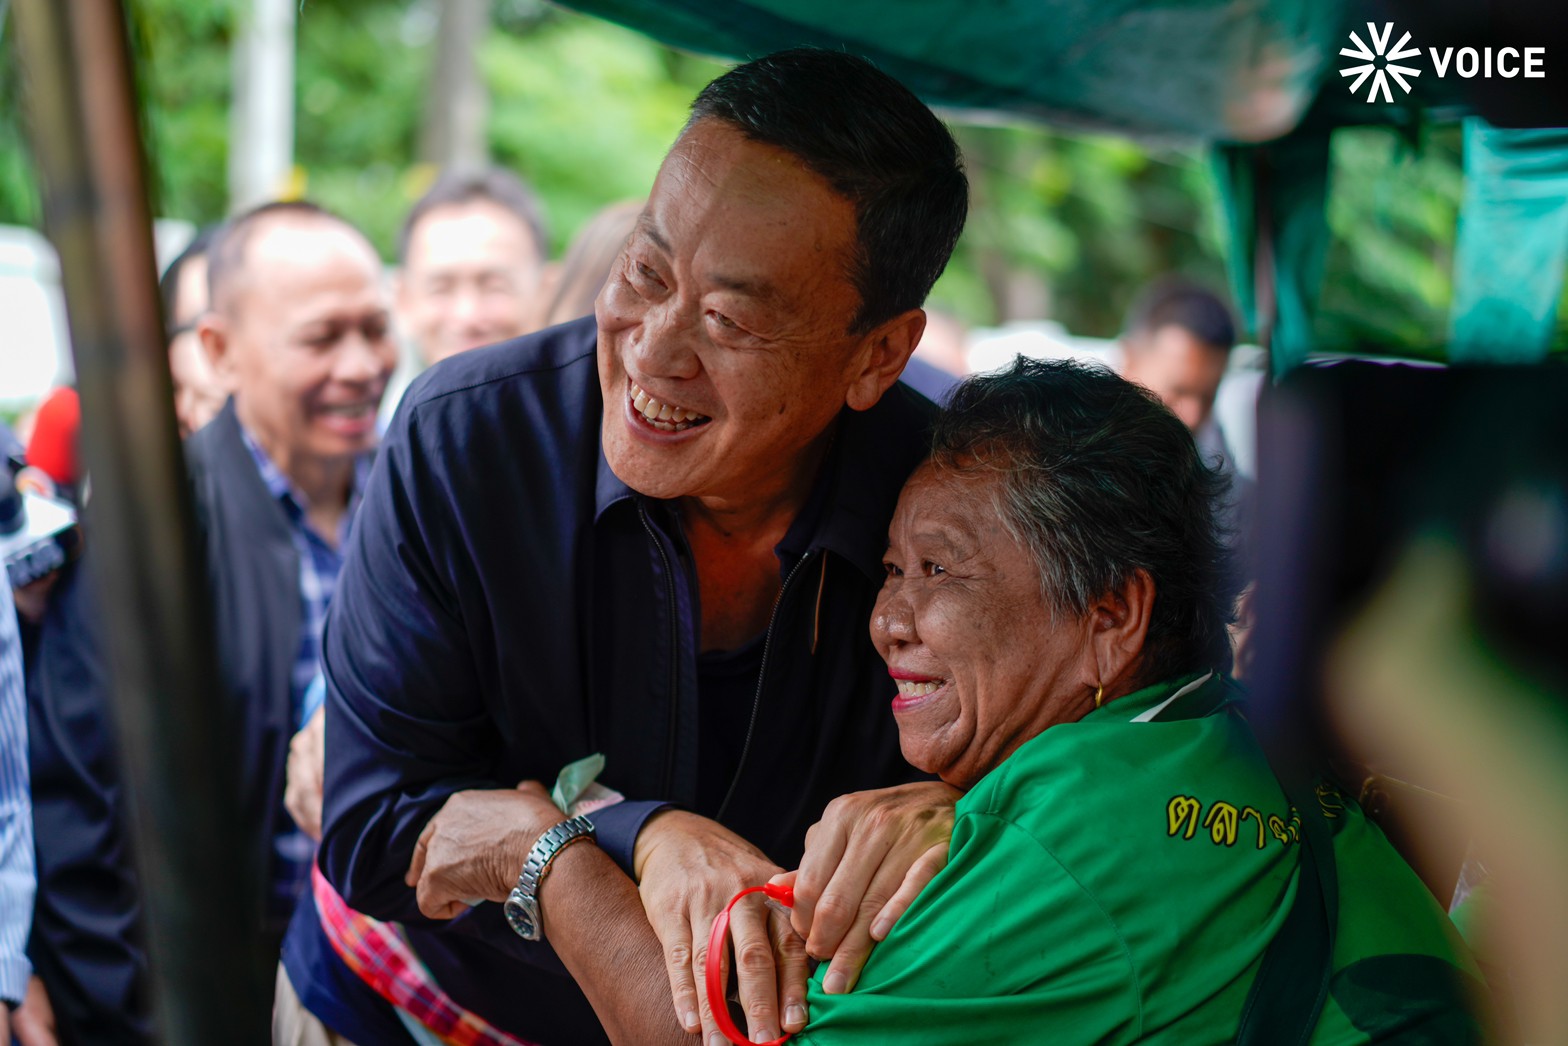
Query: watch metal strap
[(522, 905)]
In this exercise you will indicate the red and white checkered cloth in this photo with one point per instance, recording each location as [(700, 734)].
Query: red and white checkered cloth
[(378, 954)]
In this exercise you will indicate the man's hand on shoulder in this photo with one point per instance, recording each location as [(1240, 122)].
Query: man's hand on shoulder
[(474, 847), (687, 869), (865, 862)]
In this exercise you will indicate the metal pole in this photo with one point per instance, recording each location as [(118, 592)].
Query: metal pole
[(261, 119), (176, 754), (452, 135)]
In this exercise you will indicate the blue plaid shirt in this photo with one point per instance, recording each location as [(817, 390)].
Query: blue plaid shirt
[(319, 563)]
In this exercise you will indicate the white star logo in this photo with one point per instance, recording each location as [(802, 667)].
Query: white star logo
[(1372, 56)]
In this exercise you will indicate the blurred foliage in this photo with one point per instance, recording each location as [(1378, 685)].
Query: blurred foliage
[(182, 68), (19, 203), (1392, 211), (1071, 226), (1064, 226), (585, 111)]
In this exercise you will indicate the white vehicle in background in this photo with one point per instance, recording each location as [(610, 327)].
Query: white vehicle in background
[(35, 343), (35, 348)]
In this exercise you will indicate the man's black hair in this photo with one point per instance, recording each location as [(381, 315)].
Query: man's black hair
[(493, 185), (876, 144), (1177, 302)]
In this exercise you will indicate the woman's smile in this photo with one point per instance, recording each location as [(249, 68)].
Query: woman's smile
[(914, 689)]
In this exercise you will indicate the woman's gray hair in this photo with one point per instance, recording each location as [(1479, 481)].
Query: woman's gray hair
[(1099, 480)]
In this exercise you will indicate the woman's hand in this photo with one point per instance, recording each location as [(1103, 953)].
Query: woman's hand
[(687, 869), (865, 862)]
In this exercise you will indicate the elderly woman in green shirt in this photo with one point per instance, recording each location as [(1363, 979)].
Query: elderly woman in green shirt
[(1123, 857)]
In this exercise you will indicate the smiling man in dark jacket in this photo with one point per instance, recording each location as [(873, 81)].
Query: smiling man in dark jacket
[(298, 332), (656, 536)]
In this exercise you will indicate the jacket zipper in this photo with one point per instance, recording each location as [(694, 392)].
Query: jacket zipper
[(762, 675), (675, 651)]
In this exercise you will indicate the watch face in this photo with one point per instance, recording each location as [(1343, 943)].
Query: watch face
[(523, 915)]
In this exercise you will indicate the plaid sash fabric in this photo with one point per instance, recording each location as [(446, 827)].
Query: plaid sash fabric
[(379, 956)]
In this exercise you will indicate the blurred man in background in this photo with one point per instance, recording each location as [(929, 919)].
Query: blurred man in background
[(299, 336), (471, 260), (299, 333), (1177, 345), (198, 394)]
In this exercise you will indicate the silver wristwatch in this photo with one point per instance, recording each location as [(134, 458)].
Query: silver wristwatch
[(522, 904)]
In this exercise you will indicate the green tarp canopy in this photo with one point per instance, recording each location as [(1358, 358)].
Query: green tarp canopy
[(1260, 79)]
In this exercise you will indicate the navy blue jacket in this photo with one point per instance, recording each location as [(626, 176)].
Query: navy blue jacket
[(253, 573), (86, 942), (86, 939), (508, 605)]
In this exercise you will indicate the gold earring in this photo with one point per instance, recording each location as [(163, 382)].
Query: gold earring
[(1099, 692)]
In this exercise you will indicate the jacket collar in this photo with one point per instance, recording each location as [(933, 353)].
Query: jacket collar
[(294, 503), (871, 455), (219, 447), (265, 501), (1190, 696), (608, 487)]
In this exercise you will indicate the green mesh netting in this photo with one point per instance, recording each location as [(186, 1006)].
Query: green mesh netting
[(1218, 69), (1256, 77), (1513, 241)]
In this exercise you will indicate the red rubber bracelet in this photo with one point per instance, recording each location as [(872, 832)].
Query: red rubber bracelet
[(714, 973)]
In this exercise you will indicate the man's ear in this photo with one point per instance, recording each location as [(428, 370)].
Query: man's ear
[(884, 351), (213, 330), (1118, 628)]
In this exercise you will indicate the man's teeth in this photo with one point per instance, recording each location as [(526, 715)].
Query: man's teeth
[(662, 416), (910, 688), (348, 410)]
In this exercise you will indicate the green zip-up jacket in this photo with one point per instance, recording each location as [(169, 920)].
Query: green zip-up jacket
[(1118, 880)]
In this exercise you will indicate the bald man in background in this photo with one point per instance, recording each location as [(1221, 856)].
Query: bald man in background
[(299, 333), (198, 395), (298, 336)]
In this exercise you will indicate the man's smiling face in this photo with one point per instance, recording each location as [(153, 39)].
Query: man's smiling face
[(304, 341), (724, 343)]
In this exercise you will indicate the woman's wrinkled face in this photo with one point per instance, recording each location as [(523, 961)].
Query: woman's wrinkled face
[(982, 662)]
